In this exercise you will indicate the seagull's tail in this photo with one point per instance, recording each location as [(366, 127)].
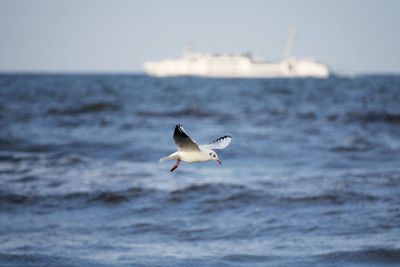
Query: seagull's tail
[(164, 159), (173, 156)]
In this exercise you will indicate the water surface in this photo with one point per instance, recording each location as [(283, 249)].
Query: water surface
[(312, 176)]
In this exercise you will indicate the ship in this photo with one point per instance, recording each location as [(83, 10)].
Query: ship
[(241, 65)]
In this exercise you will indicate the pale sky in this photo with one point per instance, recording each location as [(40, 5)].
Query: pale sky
[(350, 36)]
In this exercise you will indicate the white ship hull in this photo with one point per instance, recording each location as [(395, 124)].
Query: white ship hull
[(235, 66)]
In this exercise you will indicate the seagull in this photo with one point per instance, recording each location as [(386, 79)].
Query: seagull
[(190, 151)]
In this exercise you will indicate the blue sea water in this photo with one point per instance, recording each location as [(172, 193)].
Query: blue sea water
[(311, 178)]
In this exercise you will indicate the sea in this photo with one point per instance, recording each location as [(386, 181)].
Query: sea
[(311, 178)]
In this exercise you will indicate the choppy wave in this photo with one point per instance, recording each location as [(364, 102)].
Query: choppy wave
[(355, 143), (214, 197), (85, 108), (376, 256), (185, 112), (338, 197), (106, 197), (36, 260), (373, 257), (371, 117)]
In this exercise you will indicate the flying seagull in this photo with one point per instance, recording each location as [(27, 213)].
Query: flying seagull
[(190, 151)]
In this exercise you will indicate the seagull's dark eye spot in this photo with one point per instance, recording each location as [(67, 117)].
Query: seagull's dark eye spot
[(210, 154), (214, 156)]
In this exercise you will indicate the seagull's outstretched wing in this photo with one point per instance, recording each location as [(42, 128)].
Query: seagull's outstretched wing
[(219, 143), (183, 141)]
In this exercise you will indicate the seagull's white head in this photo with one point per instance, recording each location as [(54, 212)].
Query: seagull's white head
[(213, 156)]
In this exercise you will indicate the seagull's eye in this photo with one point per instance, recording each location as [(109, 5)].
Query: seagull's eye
[(210, 154), (214, 156)]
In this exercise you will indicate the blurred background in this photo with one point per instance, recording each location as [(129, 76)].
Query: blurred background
[(352, 37), (311, 177)]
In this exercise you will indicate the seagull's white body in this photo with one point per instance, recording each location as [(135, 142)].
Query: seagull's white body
[(203, 155), (190, 156), (190, 151)]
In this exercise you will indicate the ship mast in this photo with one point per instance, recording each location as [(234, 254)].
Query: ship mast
[(188, 48), (289, 43)]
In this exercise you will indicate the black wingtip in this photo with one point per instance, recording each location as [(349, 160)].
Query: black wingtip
[(221, 138), (178, 128), (179, 131)]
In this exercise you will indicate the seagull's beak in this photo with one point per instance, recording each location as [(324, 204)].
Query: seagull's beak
[(219, 161)]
